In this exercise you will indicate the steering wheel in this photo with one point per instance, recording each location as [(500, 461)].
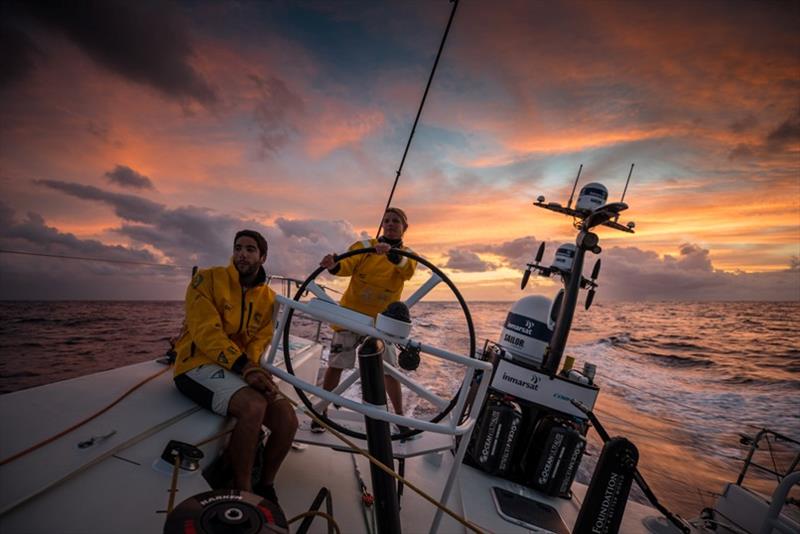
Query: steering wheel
[(437, 276)]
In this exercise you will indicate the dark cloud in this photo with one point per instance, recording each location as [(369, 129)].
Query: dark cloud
[(129, 207), (744, 124), (276, 105), (741, 151), (127, 177), (630, 273), (634, 274), (339, 233), (18, 53), (468, 261), (516, 253), (146, 42), (788, 132), (56, 277), (186, 236)]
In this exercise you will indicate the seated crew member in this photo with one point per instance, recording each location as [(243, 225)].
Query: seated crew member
[(376, 280), (229, 324)]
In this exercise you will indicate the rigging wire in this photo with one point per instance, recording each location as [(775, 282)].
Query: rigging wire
[(270, 277), (88, 258), (419, 112)]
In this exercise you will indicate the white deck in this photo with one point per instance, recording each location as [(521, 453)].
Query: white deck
[(119, 485)]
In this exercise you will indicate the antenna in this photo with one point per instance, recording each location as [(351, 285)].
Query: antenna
[(569, 204), (627, 182)]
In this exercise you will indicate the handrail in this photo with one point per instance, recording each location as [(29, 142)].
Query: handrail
[(773, 520), (764, 433), (355, 322)]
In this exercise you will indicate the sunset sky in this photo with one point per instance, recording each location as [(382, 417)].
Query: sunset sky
[(152, 132)]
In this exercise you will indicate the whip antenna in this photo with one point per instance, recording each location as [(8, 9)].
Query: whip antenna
[(627, 182), (419, 112), (569, 203)]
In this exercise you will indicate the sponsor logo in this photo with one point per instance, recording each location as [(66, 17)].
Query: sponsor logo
[(527, 329), (218, 374), (533, 384), (609, 503), (216, 498), (572, 467), (221, 358), (552, 459), (486, 449), (512, 432), (517, 342), (561, 396)]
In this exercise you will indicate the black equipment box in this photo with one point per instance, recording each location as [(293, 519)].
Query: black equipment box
[(552, 456), (495, 437), (528, 430)]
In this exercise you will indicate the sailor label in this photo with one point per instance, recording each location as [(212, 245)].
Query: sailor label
[(516, 341)]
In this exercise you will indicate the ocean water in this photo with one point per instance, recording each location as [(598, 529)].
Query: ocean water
[(682, 380)]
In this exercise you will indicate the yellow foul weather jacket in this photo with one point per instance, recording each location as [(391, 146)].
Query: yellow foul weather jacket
[(226, 324), (375, 281)]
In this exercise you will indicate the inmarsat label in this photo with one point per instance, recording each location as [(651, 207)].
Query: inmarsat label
[(539, 388), (527, 327)]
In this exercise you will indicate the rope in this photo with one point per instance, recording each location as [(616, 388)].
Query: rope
[(313, 513), (380, 465), (173, 487), (44, 442), (419, 111)]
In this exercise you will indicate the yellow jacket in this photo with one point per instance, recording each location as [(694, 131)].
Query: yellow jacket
[(375, 281), (225, 323)]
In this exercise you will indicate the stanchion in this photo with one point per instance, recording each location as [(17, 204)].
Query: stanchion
[(379, 442)]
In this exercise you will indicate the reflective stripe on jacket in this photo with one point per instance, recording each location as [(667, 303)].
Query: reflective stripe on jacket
[(225, 324), (375, 281)]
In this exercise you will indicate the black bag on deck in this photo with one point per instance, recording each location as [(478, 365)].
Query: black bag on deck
[(605, 500), (494, 439), (552, 457)]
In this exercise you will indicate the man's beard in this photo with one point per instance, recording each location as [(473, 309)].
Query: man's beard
[(247, 269)]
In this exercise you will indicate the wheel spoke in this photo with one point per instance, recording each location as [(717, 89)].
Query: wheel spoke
[(423, 290), (325, 307), (318, 292)]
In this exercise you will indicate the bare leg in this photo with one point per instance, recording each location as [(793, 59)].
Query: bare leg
[(394, 392), (247, 406), (282, 423), (331, 378)]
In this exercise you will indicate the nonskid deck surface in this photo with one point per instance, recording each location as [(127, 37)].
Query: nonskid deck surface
[(119, 485), (115, 484)]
